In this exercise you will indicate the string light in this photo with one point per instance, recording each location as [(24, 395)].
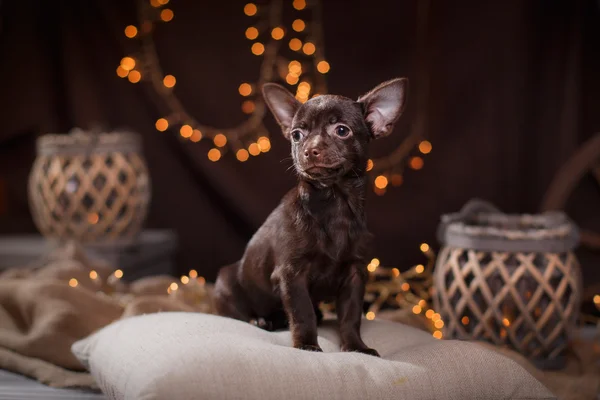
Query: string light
[(309, 48), (73, 282), (381, 182), (264, 144), (465, 320), (220, 140), (242, 155), (134, 76), (258, 48), (323, 67), (437, 334), (185, 280), (417, 309), (162, 125), (122, 72), (424, 247), (248, 107), (127, 63), (419, 269), (369, 164), (298, 25), (93, 275), (118, 274), (370, 315), (416, 163), (169, 81), (425, 147), (291, 79), (196, 136), (597, 299), (214, 155), (506, 322), (439, 324), (186, 131), (251, 33), (429, 313), (295, 44), (253, 149), (131, 31), (250, 9), (174, 286), (245, 89), (299, 4), (277, 33), (93, 218), (166, 15), (193, 274)]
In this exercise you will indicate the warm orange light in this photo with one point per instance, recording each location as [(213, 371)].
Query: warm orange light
[(248, 107), (166, 15), (597, 299), (397, 179), (298, 25), (416, 163), (429, 313), (436, 317), (220, 140), (506, 322), (252, 33), (214, 155), (376, 262), (437, 334), (424, 247), (242, 155), (465, 320), (369, 164), (417, 309), (73, 282), (196, 136), (295, 68), (258, 49), (162, 124), (405, 286), (93, 218), (309, 48), (245, 89), (201, 281), (193, 274), (299, 4), (250, 9), (185, 280), (174, 286), (371, 267), (163, 2), (425, 147), (253, 149), (155, 3), (422, 303), (277, 33), (295, 44), (127, 63), (439, 324), (370, 315), (134, 76), (169, 81), (395, 272), (323, 67), (131, 31), (186, 131), (264, 144), (419, 269), (291, 79), (304, 87), (381, 182), (122, 72), (93, 274), (118, 274)]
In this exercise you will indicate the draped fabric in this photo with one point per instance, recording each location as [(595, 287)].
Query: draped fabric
[(513, 92)]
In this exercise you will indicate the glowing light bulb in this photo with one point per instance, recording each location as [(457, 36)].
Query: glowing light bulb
[(416, 163), (291, 79), (127, 63), (196, 136), (264, 144), (298, 25), (186, 131), (185, 280), (417, 309), (437, 334), (250, 9), (419, 269), (424, 247), (253, 149), (295, 44), (134, 76), (370, 315), (425, 147), (395, 272), (258, 49), (73, 282), (214, 155), (193, 274), (131, 31), (465, 320), (295, 68), (309, 48), (220, 140), (93, 274), (166, 15), (369, 164), (93, 218), (506, 322), (169, 81), (439, 324), (162, 124), (371, 267), (323, 67), (252, 33), (277, 33), (248, 107), (174, 286), (381, 182), (122, 72), (405, 287), (299, 4), (429, 313), (118, 274), (242, 155), (245, 89)]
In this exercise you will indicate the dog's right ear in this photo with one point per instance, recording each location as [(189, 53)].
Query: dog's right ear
[(282, 104)]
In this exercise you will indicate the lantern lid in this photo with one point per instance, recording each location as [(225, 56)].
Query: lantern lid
[(79, 141)]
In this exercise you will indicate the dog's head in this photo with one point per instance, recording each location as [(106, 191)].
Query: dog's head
[(330, 133)]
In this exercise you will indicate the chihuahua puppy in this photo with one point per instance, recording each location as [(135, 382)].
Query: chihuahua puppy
[(313, 247)]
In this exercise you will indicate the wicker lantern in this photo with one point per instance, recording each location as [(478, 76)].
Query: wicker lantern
[(512, 280), (89, 187)]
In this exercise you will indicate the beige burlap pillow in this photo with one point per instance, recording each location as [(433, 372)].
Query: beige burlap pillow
[(198, 356)]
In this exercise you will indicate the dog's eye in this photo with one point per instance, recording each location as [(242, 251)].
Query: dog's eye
[(342, 131), (296, 135)]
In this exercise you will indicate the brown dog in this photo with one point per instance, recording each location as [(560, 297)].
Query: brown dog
[(313, 247)]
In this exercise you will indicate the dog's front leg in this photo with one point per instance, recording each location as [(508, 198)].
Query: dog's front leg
[(300, 311), (349, 310)]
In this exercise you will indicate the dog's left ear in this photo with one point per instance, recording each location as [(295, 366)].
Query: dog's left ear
[(384, 105), (283, 105)]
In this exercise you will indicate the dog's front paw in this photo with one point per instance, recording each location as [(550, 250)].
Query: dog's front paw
[(309, 347), (364, 350)]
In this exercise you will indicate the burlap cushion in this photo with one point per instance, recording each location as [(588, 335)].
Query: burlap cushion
[(199, 356)]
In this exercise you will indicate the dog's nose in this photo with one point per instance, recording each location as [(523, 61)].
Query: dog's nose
[(312, 153)]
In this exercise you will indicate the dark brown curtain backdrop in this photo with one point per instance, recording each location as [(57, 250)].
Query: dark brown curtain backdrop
[(514, 91)]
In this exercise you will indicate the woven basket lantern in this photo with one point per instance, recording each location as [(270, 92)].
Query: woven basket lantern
[(89, 187), (512, 280)]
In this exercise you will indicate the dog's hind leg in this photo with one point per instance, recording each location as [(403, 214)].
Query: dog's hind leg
[(229, 297)]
